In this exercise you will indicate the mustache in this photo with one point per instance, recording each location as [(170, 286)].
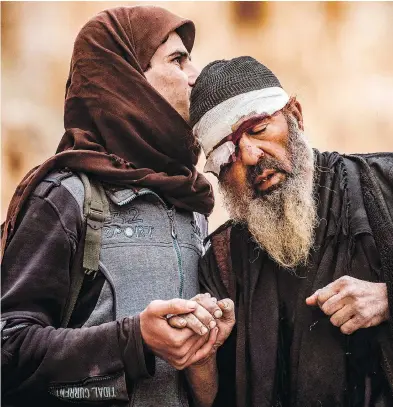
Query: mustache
[(265, 163)]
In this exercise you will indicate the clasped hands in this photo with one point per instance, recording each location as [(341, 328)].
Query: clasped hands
[(187, 332)]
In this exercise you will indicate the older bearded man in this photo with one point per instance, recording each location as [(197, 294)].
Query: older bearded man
[(307, 256)]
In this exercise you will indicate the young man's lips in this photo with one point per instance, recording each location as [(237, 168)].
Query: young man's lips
[(267, 179)]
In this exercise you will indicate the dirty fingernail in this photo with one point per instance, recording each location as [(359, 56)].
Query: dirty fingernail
[(218, 313)]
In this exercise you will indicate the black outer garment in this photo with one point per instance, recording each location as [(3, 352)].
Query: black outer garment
[(35, 284), (326, 368)]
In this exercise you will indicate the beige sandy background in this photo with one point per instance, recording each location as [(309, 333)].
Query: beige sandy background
[(336, 57)]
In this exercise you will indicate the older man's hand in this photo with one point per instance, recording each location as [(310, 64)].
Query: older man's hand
[(203, 319), (223, 312), (352, 303)]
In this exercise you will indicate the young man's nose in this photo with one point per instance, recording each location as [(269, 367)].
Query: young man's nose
[(193, 74)]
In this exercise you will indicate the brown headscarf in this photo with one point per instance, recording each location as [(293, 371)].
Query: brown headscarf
[(118, 128)]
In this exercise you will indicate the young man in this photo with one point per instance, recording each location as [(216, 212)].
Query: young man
[(126, 112), (307, 256)]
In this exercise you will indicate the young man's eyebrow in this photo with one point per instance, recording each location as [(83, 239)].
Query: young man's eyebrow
[(180, 53)]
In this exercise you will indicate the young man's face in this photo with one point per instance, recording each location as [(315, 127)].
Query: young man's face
[(172, 74)]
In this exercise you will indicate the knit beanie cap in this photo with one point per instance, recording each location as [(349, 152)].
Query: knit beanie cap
[(226, 91)]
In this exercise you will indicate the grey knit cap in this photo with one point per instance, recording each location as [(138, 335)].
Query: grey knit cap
[(223, 79)]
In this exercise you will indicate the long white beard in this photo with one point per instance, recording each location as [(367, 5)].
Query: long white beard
[(282, 222)]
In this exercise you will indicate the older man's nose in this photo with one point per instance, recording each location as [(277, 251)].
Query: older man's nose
[(250, 153)]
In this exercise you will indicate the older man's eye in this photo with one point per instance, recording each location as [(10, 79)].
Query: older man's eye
[(257, 130)]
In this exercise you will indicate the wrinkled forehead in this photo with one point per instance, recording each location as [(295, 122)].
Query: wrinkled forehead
[(248, 121), (224, 118)]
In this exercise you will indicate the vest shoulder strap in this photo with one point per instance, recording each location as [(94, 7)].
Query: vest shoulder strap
[(95, 212)]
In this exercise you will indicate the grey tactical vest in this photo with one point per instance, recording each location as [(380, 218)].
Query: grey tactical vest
[(149, 251)]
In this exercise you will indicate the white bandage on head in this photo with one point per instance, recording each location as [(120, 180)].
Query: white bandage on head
[(216, 124)]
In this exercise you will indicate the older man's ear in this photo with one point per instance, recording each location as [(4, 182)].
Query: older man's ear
[(295, 108)]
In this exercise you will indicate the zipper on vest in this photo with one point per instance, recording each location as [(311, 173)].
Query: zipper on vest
[(175, 242), (177, 250), (128, 200)]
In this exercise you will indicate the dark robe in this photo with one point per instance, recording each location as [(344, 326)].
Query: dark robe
[(283, 352)]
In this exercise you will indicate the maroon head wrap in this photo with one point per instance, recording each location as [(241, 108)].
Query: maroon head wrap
[(118, 128)]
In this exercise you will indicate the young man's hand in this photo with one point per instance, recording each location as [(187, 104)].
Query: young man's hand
[(179, 347)]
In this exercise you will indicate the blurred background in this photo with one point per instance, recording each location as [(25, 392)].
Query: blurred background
[(336, 57)]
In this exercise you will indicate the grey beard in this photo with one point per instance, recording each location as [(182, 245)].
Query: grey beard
[(282, 222)]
